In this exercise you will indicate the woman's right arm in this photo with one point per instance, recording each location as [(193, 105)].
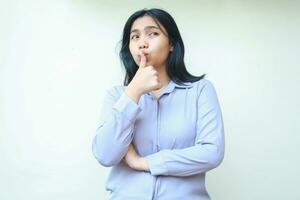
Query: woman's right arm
[(115, 129), (119, 111)]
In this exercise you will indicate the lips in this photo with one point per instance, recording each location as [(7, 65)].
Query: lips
[(146, 54)]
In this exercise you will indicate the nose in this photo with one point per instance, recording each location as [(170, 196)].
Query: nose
[(143, 44)]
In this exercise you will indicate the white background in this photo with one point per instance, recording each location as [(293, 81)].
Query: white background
[(57, 58)]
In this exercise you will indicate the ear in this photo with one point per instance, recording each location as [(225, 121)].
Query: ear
[(171, 47)]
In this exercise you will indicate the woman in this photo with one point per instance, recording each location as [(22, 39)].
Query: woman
[(163, 129)]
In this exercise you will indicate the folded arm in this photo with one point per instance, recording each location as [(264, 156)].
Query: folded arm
[(115, 129), (208, 150)]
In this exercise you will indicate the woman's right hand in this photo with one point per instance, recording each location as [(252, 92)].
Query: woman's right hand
[(146, 79)]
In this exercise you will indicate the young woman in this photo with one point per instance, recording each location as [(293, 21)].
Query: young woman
[(162, 130)]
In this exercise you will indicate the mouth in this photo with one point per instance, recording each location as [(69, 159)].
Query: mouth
[(146, 55)]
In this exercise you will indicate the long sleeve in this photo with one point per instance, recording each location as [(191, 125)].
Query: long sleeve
[(115, 128), (208, 149)]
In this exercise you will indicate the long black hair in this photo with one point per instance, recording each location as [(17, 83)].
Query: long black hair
[(176, 69)]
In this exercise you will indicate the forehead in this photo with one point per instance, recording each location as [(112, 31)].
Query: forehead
[(146, 21)]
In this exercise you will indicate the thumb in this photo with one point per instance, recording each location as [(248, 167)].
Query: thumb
[(143, 60)]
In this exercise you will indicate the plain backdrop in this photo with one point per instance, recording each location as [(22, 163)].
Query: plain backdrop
[(57, 58)]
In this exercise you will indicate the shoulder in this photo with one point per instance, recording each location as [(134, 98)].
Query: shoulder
[(205, 89), (203, 84)]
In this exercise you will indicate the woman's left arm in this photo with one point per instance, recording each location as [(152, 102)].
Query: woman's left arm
[(135, 161), (208, 150)]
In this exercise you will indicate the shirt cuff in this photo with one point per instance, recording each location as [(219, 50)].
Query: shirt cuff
[(156, 164), (127, 107)]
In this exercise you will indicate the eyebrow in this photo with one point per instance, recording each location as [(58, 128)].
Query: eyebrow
[(147, 27)]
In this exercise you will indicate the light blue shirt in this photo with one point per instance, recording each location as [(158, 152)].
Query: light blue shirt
[(181, 134)]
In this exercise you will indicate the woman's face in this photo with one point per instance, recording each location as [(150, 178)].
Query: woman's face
[(147, 37)]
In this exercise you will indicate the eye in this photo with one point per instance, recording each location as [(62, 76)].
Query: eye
[(134, 37), (153, 33)]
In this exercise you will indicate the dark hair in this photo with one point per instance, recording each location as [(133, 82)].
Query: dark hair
[(176, 69)]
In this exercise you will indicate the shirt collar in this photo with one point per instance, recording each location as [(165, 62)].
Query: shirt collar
[(172, 85)]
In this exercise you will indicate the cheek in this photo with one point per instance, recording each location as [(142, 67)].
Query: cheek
[(162, 52), (132, 51), (162, 47)]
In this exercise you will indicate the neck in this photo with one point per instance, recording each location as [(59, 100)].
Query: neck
[(163, 76)]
